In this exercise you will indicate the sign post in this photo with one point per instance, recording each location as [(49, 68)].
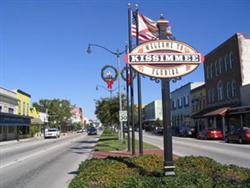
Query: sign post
[(165, 59)]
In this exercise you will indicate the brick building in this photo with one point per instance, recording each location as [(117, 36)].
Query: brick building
[(227, 70)]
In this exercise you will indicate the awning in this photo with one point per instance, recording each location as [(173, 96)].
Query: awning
[(7, 119), (36, 121), (239, 110), (217, 112)]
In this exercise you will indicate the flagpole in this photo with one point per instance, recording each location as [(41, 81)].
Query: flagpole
[(131, 86), (139, 88), (128, 113)]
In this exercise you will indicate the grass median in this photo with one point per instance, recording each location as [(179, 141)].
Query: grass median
[(147, 171), (110, 142)]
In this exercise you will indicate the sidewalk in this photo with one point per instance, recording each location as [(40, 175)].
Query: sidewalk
[(3, 143)]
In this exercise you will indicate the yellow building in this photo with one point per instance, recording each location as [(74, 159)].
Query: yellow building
[(34, 113), (23, 107)]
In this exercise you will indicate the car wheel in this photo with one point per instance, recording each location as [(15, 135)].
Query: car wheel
[(240, 140)]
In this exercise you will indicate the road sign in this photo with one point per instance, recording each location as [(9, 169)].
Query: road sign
[(164, 58), (123, 115)]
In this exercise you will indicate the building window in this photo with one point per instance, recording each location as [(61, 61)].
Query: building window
[(216, 68), (19, 108), (24, 108), (229, 90), (226, 62), (28, 107), (220, 93), (231, 60), (212, 96), (186, 100), (208, 73), (211, 71), (233, 88), (0, 129), (11, 111), (179, 103), (220, 65), (209, 96)]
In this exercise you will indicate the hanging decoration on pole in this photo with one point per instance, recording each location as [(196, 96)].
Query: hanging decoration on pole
[(123, 75), (109, 75)]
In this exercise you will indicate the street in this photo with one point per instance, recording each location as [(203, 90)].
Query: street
[(44, 163), (216, 149)]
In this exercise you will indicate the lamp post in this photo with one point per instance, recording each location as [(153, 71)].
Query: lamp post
[(118, 55)]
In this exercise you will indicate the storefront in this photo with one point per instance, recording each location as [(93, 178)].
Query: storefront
[(12, 126)]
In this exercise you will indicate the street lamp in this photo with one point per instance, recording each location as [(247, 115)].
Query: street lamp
[(118, 55)]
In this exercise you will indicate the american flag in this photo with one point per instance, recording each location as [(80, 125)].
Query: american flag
[(148, 29)]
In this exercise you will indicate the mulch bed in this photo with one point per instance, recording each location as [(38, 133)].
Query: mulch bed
[(125, 153)]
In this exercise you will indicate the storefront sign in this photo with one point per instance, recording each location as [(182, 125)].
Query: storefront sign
[(164, 58)]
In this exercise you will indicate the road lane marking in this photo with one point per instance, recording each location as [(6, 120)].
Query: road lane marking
[(36, 153)]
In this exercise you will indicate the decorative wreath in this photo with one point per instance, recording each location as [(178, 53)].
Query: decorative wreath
[(105, 79), (123, 74)]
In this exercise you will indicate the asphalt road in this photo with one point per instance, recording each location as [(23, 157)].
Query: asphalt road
[(219, 150), (49, 163)]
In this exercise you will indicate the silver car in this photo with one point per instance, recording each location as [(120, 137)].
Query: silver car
[(52, 133)]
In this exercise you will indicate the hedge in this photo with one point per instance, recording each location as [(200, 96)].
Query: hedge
[(146, 171)]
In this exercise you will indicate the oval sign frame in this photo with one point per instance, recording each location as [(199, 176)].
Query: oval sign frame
[(170, 51)]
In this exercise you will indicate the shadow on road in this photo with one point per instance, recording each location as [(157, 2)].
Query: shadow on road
[(74, 172), (87, 142)]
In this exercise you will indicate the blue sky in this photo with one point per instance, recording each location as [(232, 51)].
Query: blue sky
[(43, 42)]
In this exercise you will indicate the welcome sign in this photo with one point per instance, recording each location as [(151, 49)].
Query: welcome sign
[(164, 58)]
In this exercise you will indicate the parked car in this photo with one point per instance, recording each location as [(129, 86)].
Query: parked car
[(81, 130), (210, 134), (92, 131), (187, 131), (52, 133), (158, 130), (238, 134)]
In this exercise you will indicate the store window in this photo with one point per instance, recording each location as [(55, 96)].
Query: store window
[(11, 129), (11, 110)]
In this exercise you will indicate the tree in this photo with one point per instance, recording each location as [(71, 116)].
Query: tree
[(107, 110), (58, 112)]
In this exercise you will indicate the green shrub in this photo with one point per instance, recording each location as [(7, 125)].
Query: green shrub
[(146, 172)]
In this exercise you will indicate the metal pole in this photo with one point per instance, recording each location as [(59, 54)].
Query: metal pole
[(139, 88), (120, 94), (132, 82), (167, 131), (128, 114)]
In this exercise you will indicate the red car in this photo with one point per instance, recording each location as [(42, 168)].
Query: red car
[(210, 134), (239, 134)]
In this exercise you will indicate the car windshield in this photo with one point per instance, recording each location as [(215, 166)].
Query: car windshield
[(52, 130), (246, 128)]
